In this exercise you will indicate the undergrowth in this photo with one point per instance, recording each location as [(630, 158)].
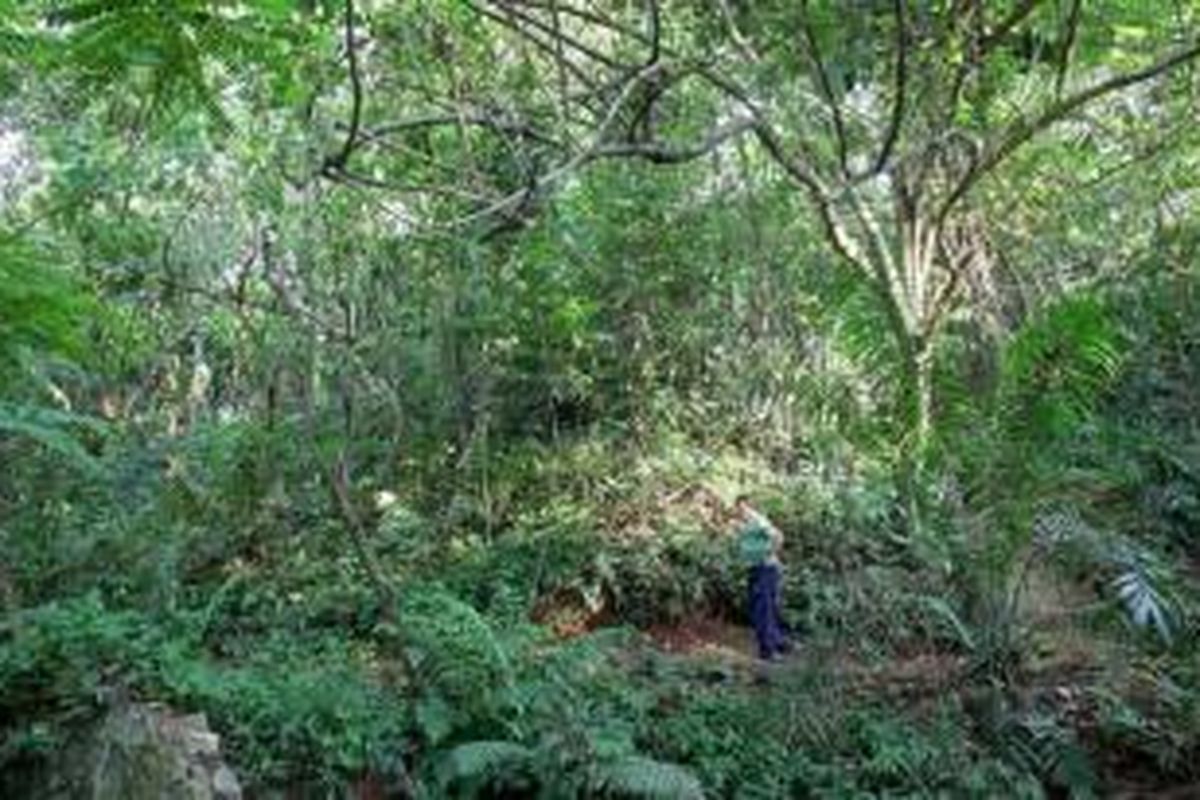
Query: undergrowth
[(514, 663)]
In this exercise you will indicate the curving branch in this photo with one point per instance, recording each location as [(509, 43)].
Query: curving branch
[(1022, 131), (523, 196), (594, 17), (739, 39), (666, 153), (551, 48), (996, 34)]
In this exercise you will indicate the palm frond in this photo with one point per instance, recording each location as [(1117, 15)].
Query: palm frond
[(1058, 365), (942, 612), (1142, 584), (1145, 598)]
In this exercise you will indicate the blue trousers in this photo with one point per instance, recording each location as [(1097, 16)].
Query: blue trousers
[(768, 625)]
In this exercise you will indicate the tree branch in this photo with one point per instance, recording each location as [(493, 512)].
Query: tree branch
[(984, 44), (343, 156), (550, 48), (1068, 45), (588, 15), (897, 118), (1020, 132), (509, 8), (523, 195), (470, 119), (666, 153), (655, 33), (1002, 28), (735, 33), (835, 108)]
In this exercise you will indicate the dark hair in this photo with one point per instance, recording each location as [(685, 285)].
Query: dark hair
[(741, 498)]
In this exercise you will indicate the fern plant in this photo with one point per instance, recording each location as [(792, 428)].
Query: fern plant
[(550, 772), (1039, 744), (51, 429)]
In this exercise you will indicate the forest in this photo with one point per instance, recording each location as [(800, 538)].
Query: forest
[(389, 390)]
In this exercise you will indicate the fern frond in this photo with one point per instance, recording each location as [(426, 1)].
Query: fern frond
[(484, 761), (49, 428), (638, 776), (455, 650)]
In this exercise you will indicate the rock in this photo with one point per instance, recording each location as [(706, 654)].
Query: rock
[(144, 751), (225, 784)]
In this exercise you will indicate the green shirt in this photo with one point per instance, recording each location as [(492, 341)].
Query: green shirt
[(755, 544)]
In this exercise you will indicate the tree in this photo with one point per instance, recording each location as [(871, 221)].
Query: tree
[(887, 122)]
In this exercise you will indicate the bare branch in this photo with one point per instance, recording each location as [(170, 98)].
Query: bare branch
[(521, 196), (802, 171), (1021, 131), (735, 33), (836, 234), (589, 15), (560, 57)]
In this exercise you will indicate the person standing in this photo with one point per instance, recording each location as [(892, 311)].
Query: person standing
[(760, 545)]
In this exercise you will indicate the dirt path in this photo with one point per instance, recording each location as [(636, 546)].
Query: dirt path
[(713, 647)]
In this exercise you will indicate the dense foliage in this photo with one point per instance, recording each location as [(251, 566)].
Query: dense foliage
[(376, 378)]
